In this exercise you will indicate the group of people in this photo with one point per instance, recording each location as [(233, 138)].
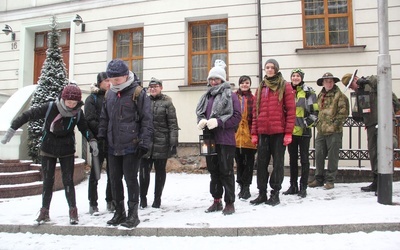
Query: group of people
[(132, 131)]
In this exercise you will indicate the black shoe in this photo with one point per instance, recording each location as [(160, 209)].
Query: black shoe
[(156, 203), (293, 189), (371, 188), (216, 206), (143, 202), (229, 209), (273, 199), (240, 194), (262, 197), (302, 193), (246, 192)]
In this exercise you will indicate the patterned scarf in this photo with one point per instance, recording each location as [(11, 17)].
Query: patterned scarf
[(274, 83), (249, 97), (222, 106)]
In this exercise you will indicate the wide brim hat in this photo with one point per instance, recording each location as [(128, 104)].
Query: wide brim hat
[(327, 75)]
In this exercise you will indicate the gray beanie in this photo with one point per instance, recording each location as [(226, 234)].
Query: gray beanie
[(116, 68), (218, 71), (274, 62)]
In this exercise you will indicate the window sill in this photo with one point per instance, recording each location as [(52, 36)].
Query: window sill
[(332, 50), (193, 87)]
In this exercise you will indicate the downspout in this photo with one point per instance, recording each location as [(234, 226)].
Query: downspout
[(260, 66)]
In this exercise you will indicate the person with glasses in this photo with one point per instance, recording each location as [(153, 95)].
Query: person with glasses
[(306, 115), (164, 143), (273, 121), (333, 110), (218, 111)]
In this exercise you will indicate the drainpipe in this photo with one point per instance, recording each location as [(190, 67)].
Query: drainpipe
[(260, 66)]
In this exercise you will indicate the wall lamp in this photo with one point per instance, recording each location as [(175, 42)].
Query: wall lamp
[(7, 30), (78, 21)]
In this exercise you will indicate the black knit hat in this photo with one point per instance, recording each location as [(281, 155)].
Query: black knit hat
[(117, 68), (101, 77), (71, 92)]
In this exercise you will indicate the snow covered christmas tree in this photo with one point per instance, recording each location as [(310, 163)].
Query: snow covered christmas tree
[(51, 82)]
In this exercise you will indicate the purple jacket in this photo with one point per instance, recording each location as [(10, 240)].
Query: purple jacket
[(225, 132)]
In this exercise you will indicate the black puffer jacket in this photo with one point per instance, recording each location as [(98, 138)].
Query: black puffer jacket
[(60, 142), (93, 105), (165, 127)]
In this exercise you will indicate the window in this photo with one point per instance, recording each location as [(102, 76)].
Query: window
[(327, 23), (128, 46), (208, 41)]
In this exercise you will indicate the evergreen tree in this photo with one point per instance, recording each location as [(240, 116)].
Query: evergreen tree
[(53, 78)]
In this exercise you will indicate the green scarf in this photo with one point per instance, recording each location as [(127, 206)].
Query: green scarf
[(275, 83)]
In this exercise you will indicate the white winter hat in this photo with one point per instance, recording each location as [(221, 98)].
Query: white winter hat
[(218, 71)]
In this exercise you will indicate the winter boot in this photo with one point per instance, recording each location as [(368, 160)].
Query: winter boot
[(94, 210), (133, 218), (216, 206), (119, 214), (262, 197), (273, 199), (156, 202), (303, 191), (110, 206), (143, 202), (43, 216), (229, 208), (371, 187), (73, 216), (293, 189), (246, 192), (240, 194)]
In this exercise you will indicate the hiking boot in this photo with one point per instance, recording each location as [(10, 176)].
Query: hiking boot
[(293, 189), (73, 216), (262, 197), (133, 219), (315, 183), (273, 199), (43, 216), (370, 188), (329, 185), (229, 208), (119, 214), (94, 210), (246, 192), (216, 206), (143, 202), (110, 206)]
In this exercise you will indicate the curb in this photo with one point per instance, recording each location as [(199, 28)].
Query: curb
[(199, 232)]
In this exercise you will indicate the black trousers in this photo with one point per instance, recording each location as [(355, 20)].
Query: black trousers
[(67, 172), (220, 167), (126, 166), (299, 144), (270, 145), (144, 176), (244, 158), (93, 195)]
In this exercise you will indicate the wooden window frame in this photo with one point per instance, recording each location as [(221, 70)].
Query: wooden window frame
[(326, 17), (207, 52), (129, 58)]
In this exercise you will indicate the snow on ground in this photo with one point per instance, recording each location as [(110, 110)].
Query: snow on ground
[(184, 200)]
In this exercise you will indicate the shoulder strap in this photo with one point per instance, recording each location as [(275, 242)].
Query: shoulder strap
[(47, 113)]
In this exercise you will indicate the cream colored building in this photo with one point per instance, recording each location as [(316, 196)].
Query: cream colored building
[(177, 41)]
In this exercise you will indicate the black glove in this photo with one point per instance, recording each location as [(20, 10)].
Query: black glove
[(172, 151), (140, 151)]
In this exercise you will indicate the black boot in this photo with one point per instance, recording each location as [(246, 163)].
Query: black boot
[(371, 187), (133, 218), (293, 189), (262, 197), (273, 199), (156, 202), (303, 191), (246, 192), (143, 202), (119, 214), (240, 195)]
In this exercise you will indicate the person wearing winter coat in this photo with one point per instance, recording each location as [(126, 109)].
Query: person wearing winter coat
[(306, 116), (58, 142), (126, 122), (369, 116), (164, 143), (218, 112), (245, 149), (272, 128), (93, 105), (333, 110)]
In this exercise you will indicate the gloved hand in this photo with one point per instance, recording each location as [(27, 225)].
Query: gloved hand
[(8, 135), (140, 151), (202, 123), (172, 151), (95, 149), (212, 123), (254, 139), (287, 139)]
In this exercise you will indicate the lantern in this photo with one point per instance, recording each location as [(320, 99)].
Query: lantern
[(207, 143)]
